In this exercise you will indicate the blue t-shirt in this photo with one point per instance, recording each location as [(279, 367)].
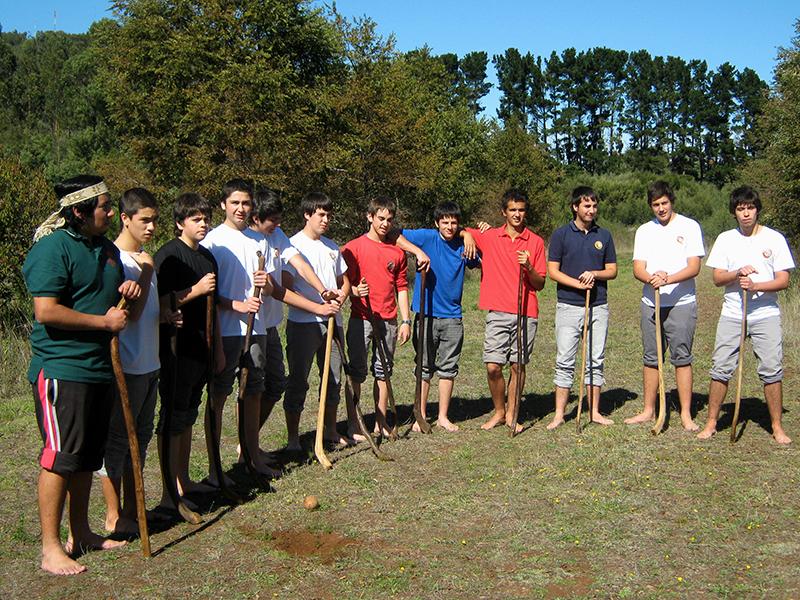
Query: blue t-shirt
[(444, 282), (578, 252)]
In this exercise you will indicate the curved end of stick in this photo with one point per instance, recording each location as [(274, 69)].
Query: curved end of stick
[(734, 437), (322, 458), (658, 427), (189, 515)]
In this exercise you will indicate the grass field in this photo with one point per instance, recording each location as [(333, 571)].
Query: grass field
[(613, 513)]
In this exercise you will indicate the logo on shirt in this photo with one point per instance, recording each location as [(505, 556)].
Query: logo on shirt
[(680, 239), (598, 245), (390, 265), (275, 253), (766, 253), (332, 255)]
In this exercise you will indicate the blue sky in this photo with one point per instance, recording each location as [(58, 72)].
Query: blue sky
[(742, 32)]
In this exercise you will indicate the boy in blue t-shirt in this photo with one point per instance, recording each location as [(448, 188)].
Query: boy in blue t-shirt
[(444, 332)]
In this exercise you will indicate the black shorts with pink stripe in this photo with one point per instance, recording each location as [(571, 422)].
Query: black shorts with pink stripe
[(73, 420)]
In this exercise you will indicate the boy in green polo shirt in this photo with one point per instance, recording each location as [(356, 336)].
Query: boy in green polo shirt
[(75, 277)]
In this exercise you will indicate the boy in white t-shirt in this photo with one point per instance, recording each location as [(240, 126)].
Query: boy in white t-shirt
[(138, 346), (754, 260), (235, 249), (306, 330), (666, 257), (266, 219)]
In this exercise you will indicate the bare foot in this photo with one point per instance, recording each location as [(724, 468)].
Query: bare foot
[(90, 543), (56, 562), (111, 522), (780, 436), (518, 428), (601, 420), (642, 417), (354, 435), (384, 432), (446, 424), (415, 428), (555, 423), (497, 419), (688, 424), (707, 433), (337, 439)]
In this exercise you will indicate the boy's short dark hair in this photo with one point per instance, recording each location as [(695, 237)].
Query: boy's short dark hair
[(659, 189), (85, 208), (381, 203), (446, 209), (314, 201), (514, 195), (744, 195), (135, 199), (579, 193), (266, 204), (236, 185), (188, 205)]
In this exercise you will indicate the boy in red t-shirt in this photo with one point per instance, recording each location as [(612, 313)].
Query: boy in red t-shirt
[(504, 250), (381, 271)]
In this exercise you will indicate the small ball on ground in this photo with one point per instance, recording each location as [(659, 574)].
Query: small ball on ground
[(310, 503)]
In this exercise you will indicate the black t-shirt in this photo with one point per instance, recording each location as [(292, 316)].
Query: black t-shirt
[(179, 267)]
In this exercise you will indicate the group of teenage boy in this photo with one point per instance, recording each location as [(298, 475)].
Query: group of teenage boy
[(246, 267)]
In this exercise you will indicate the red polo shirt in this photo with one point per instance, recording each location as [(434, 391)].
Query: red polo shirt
[(386, 270), (500, 269)]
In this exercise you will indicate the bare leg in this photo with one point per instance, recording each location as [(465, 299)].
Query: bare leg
[(81, 536), (52, 493), (650, 377), (252, 424), (716, 395), (445, 394), (562, 398), (380, 392), (353, 430), (423, 405), (111, 494), (331, 434), (497, 388), (512, 389), (773, 393), (683, 379), (293, 431), (594, 390), (219, 405)]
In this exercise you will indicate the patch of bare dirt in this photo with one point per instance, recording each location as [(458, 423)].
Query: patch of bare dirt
[(324, 546), (579, 583)]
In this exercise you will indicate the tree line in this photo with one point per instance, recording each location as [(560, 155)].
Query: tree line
[(179, 95)]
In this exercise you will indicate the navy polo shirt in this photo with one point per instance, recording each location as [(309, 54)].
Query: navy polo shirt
[(579, 251)]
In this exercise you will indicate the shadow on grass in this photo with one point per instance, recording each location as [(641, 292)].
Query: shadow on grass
[(752, 410)]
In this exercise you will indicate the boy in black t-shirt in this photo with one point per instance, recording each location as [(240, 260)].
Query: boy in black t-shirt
[(190, 271)]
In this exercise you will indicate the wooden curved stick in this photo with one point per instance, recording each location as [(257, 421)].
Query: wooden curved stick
[(166, 436), (354, 401), (319, 447), (379, 340), (520, 364), (211, 409), (583, 365), (244, 371), (739, 368), (133, 441), (662, 395), (423, 424)]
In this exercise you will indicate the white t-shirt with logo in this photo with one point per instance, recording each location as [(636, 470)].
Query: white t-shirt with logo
[(237, 259), (138, 342), (325, 258), (282, 252), (668, 248), (767, 252)]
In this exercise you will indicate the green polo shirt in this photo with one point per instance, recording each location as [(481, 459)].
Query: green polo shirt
[(84, 274)]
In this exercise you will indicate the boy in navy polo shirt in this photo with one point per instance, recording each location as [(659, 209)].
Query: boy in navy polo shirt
[(581, 257), (443, 288)]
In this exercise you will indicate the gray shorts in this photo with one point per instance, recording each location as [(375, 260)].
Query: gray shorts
[(232, 346), (569, 330), (500, 342), (359, 343), (142, 397), (444, 339), (765, 336), (274, 370), (304, 341), (677, 332)]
